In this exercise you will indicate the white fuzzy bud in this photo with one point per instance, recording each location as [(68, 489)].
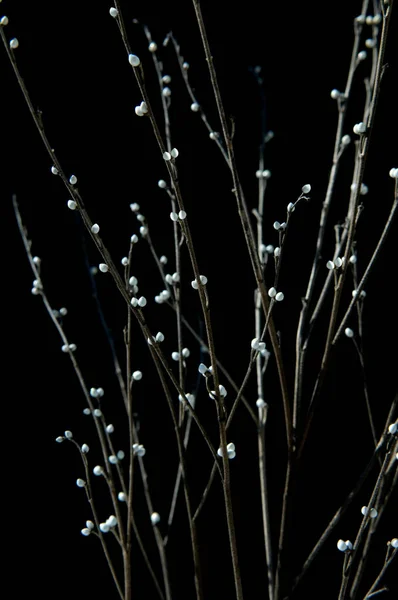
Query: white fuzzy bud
[(272, 292), (122, 497), (72, 205), (306, 188), (113, 12), (142, 301), (345, 140), (134, 60), (137, 375), (166, 155), (84, 448), (349, 332), (162, 184), (109, 428), (98, 471), (14, 44), (73, 179), (95, 228), (155, 518), (152, 47), (335, 94), (195, 107), (279, 296), (134, 239), (362, 55), (4, 21), (80, 483), (393, 173), (359, 128), (103, 268), (393, 428)]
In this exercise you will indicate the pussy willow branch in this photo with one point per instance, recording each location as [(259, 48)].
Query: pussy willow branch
[(246, 225), (365, 521), (362, 156), (206, 314), (100, 432), (351, 496), (303, 320)]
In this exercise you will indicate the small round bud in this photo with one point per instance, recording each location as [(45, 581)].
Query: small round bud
[(122, 497), (290, 207), (174, 153), (113, 12), (213, 135), (306, 188), (98, 471), (159, 337), (166, 79), (162, 184), (330, 265), (84, 448), (362, 55), (152, 47), (260, 403), (376, 19), (166, 155), (95, 228), (182, 215), (103, 268), (14, 44), (155, 518), (195, 107), (142, 301), (60, 439), (137, 375), (276, 225), (342, 546), (393, 173), (125, 261), (393, 428), (185, 66), (370, 43), (360, 19), (109, 428), (4, 21), (80, 483), (345, 140), (86, 531), (175, 356), (104, 527), (279, 296), (359, 128), (68, 434), (73, 179), (97, 413), (338, 262), (134, 239), (202, 369), (113, 459), (134, 60), (174, 216), (364, 189), (349, 332), (186, 352), (72, 205), (277, 252), (138, 111), (335, 94), (272, 292), (166, 92), (54, 170)]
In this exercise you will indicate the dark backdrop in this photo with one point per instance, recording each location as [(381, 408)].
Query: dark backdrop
[(73, 62)]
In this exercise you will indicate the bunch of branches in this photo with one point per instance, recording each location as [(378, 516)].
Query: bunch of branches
[(324, 296)]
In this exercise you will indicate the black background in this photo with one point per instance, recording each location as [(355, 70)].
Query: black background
[(75, 67)]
